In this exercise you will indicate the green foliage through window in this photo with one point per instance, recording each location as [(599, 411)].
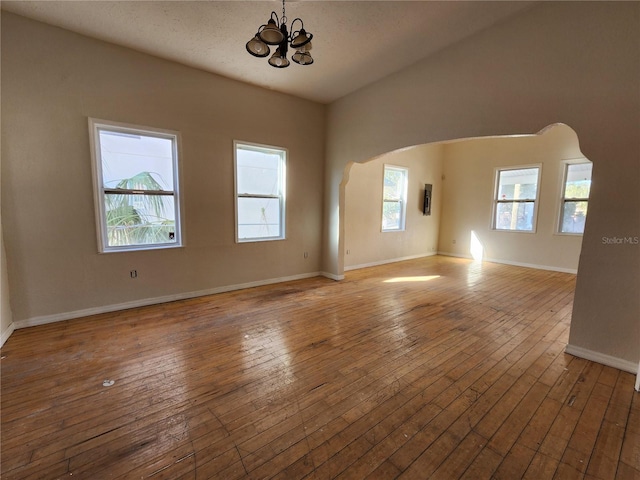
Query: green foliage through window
[(138, 219)]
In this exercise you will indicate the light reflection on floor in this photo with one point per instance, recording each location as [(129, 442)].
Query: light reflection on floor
[(266, 353), (425, 278)]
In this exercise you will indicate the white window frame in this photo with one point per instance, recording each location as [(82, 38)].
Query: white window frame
[(99, 189), (402, 201), (563, 199), (281, 195), (497, 201)]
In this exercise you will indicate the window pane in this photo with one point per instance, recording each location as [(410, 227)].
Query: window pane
[(393, 184), (519, 184), (578, 182), (259, 175), (515, 216), (394, 198), (139, 219), (258, 217), (574, 215), (136, 162), (257, 172), (391, 215), (144, 160)]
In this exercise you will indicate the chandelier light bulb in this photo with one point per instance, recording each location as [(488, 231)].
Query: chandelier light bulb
[(257, 47), (302, 58), (278, 60)]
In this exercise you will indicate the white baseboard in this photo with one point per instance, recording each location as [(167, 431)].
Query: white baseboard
[(515, 264), (58, 317), (638, 379), (332, 276), (391, 260), (458, 255), (608, 360), (7, 333)]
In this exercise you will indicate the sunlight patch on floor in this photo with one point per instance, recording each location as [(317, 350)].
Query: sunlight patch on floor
[(412, 279)]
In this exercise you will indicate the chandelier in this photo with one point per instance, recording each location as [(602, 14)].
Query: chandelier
[(275, 33)]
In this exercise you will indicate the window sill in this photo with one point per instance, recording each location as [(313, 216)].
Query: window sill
[(137, 248)]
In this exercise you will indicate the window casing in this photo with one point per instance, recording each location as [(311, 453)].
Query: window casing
[(260, 191), (394, 198), (136, 186), (515, 199), (576, 186)]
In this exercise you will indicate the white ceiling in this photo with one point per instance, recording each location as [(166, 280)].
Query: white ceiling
[(355, 42)]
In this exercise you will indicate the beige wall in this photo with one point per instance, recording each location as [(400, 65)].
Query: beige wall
[(6, 318), (469, 169), (365, 243), (576, 63), (52, 81)]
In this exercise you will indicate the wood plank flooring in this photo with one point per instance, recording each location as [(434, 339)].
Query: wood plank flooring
[(437, 368)]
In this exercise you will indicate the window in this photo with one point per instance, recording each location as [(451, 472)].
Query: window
[(135, 172), (575, 197), (394, 198), (260, 192), (515, 199)]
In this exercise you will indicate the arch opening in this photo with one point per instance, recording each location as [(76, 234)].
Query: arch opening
[(462, 174)]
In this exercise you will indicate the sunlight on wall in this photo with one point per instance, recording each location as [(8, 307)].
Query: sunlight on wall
[(475, 247), (412, 279)]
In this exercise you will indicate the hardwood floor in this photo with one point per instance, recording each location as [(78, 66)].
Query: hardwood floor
[(435, 368)]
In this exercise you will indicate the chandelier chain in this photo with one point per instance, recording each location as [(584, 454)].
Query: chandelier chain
[(284, 17)]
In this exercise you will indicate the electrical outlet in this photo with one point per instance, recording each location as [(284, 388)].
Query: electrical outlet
[(453, 241), (306, 254), (133, 273)]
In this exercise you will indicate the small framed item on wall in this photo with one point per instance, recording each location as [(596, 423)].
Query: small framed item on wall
[(426, 208)]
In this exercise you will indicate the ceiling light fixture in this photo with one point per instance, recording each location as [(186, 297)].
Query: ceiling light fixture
[(275, 33)]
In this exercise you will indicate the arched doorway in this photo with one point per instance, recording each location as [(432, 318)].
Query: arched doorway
[(462, 221)]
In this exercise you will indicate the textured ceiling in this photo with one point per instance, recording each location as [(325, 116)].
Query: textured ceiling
[(355, 42)]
